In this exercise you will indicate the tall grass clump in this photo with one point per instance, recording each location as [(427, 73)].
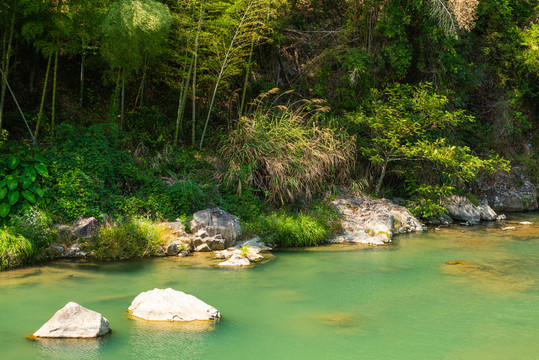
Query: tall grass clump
[(130, 239), (289, 228), (24, 240), (15, 249), (285, 152)]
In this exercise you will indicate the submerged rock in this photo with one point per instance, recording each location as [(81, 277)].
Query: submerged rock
[(373, 221), (171, 305), (74, 321)]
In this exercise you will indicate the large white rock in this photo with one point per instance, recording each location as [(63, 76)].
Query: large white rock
[(74, 321), (370, 221), (171, 305)]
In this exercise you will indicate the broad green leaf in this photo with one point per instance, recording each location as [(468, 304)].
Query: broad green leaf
[(40, 158), (42, 170), (13, 162), (3, 192), (4, 209), (29, 196), (12, 183), (3, 182), (30, 172), (13, 197), (38, 191), (26, 181)]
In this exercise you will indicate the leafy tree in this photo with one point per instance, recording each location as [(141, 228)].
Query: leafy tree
[(410, 124), (133, 35)]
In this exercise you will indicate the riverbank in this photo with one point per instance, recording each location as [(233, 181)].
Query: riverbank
[(353, 219)]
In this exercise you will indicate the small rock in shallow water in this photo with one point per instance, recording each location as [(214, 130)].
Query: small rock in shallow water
[(236, 260)]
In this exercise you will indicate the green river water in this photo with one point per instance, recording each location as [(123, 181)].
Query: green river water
[(400, 301)]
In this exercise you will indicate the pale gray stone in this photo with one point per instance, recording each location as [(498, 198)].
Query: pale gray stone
[(203, 248), (460, 208), (372, 221), (171, 305), (74, 321), (236, 260), (487, 213), (256, 244), (217, 222)]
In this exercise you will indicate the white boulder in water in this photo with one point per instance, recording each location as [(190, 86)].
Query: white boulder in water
[(171, 305), (74, 321)]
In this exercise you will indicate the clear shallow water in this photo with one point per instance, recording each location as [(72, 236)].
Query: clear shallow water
[(338, 302)]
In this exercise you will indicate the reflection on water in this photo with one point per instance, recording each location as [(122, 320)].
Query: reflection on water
[(454, 293)]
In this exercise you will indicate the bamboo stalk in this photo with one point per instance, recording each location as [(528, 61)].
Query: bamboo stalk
[(55, 72), (40, 113), (5, 67)]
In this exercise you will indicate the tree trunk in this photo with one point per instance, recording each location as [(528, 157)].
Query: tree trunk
[(40, 113), (33, 72), (5, 67), (193, 120), (81, 90), (381, 178), (122, 100), (144, 70), (55, 72)]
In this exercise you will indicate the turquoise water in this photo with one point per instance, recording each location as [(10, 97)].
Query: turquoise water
[(337, 302)]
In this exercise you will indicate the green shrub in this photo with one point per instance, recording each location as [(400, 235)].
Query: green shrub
[(130, 239)]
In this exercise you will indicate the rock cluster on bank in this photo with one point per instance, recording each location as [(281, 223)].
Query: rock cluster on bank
[(462, 209), (370, 221)]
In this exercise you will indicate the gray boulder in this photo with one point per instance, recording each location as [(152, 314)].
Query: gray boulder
[(372, 221), (511, 191), (86, 228), (487, 213), (460, 208), (74, 321), (171, 305), (203, 248), (215, 242), (217, 222)]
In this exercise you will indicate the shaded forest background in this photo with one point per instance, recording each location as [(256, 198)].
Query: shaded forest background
[(161, 108)]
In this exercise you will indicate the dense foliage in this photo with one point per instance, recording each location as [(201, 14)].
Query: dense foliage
[(159, 108)]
